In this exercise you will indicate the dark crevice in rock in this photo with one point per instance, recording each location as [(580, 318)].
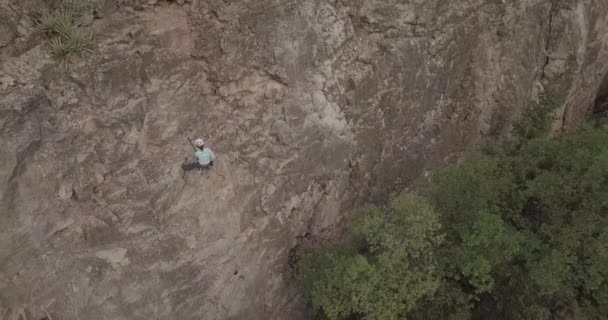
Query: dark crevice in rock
[(552, 11), (600, 107)]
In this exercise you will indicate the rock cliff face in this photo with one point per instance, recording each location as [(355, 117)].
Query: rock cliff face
[(311, 106)]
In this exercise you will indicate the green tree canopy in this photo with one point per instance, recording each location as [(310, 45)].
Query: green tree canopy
[(385, 266), (521, 233)]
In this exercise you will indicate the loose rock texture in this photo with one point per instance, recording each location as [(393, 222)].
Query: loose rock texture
[(311, 106)]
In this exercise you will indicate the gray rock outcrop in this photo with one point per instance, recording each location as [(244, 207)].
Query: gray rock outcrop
[(311, 106)]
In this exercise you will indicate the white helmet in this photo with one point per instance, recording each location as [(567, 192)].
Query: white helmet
[(199, 142)]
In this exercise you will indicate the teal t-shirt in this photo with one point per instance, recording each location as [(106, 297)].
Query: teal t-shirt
[(204, 156)]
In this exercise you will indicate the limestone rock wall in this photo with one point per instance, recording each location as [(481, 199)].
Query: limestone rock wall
[(311, 106)]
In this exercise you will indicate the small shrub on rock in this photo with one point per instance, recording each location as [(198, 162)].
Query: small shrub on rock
[(66, 38)]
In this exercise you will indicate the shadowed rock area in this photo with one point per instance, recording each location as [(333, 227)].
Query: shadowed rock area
[(312, 107)]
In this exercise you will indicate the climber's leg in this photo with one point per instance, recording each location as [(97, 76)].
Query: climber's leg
[(191, 166)]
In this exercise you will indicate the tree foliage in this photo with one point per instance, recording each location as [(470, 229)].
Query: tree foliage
[(536, 120), (385, 266), (521, 233)]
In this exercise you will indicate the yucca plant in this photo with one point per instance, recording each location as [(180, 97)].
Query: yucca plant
[(80, 41), (56, 22), (66, 37), (58, 49)]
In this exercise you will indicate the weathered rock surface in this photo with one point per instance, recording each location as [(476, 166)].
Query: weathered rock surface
[(311, 106)]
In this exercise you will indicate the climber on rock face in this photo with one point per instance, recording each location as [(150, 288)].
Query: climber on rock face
[(203, 157)]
